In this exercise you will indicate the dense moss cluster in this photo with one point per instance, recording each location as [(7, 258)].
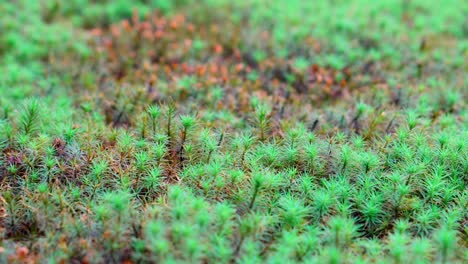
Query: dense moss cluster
[(216, 131)]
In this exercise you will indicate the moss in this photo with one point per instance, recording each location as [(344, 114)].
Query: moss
[(163, 131)]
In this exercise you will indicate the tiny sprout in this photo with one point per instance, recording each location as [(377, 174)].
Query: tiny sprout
[(49, 162), (301, 63), (161, 138), (293, 211), (322, 203), (332, 255), (443, 139), (76, 193), (246, 141), (345, 156), (170, 112), (397, 246), (341, 230), (34, 176), (217, 94), (154, 229), (369, 161), (99, 168), (142, 159), (159, 150), (152, 180), (30, 117), (43, 187), (87, 107), (210, 143), (23, 140), (361, 108), (421, 248), (119, 202), (102, 212), (358, 142), (412, 119), (125, 142), (451, 99), (259, 181), (262, 114), (402, 134), (13, 169), (446, 240), (224, 213), (69, 134), (187, 121), (154, 112), (141, 143), (175, 193)]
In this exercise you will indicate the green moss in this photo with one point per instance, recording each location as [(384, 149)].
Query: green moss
[(220, 131)]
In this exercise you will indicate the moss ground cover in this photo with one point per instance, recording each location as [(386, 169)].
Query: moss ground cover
[(215, 131)]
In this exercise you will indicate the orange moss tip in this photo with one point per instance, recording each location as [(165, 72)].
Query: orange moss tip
[(97, 32), (22, 252), (218, 49)]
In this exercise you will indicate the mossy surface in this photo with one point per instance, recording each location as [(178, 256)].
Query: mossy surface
[(218, 131)]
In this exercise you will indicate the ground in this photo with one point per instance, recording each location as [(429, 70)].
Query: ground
[(216, 131)]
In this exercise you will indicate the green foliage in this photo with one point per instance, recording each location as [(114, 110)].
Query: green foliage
[(163, 132)]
